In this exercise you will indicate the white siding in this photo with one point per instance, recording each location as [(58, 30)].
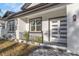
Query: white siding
[(0, 32), (22, 26), (27, 25), (17, 30), (73, 28), (45, 30), (6, 28)]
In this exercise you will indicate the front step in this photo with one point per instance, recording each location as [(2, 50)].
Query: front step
[(55, 46)]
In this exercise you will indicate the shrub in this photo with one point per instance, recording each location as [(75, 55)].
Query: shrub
[(38, 39), (26, 36)]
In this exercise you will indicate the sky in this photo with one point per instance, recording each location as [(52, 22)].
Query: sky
[(15, 7)]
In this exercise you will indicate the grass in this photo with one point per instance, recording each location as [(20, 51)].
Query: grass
[(10, 50), (6, 44), (15, 49), (2, 41)]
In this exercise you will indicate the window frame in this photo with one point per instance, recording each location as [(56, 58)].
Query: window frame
[(10, 26), (36, 19)]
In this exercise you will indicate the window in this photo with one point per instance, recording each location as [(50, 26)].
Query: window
[(36, 24), (54, 32), (74, 17), (11, 26), (65, 37), (3, 26), (32, 25)]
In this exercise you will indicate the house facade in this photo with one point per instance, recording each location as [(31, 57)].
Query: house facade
[(52, 22)]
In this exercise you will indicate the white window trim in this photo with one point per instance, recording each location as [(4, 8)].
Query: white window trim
[(10, 26), (35, 27)]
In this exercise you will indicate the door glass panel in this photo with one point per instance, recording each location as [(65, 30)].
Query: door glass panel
[(32, 22), (38, 22), (32, 28), (38, 25), (38, 28)]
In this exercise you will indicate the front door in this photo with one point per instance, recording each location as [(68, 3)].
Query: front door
[(58, 30)]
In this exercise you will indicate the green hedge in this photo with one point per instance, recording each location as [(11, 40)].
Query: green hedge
[(26, 36), (38, 39)]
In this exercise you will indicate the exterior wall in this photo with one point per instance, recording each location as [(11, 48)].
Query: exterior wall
[(73, 28), (0, 31), (17, 30), (27, 25), (6, 29), (45, 31), (22, 26)]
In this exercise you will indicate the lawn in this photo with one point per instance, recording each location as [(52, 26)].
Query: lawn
[(5, 43), (11, 48)]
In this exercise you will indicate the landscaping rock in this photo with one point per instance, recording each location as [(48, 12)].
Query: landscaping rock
[(50, 52)]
